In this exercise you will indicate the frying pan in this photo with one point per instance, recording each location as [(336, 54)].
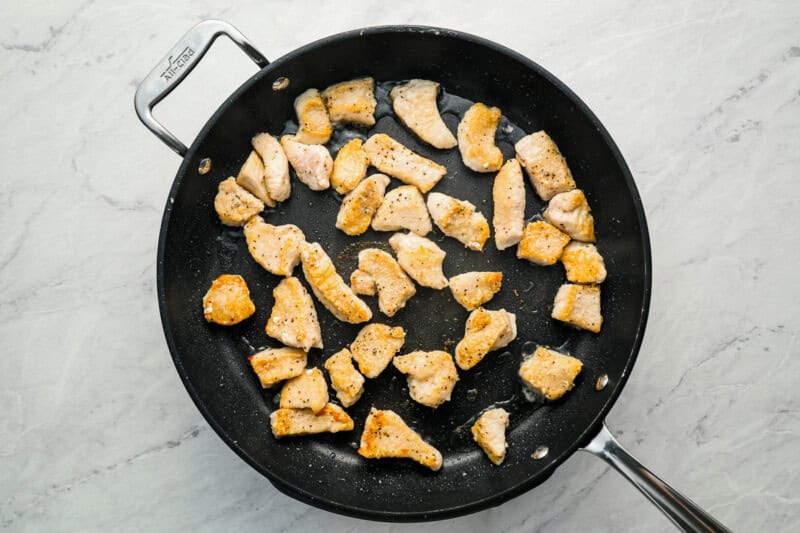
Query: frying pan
[(324, 470)]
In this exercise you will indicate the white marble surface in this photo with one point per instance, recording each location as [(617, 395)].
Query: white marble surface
[(96, 431)]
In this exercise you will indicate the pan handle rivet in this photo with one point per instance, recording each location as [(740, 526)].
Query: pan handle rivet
[(601, 382), (280, 84), (205, 166), (540, 452)]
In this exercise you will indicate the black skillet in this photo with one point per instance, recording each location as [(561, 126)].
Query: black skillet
[(325, 471)]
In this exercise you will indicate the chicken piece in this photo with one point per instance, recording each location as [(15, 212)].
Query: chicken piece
[(276, 166), (374, 347), (578, 305), (421, 258), (414, 104), (583, 263), (276, 248), (329, 287), (511, 332), (489, 431), (296, 422), (394, 159), (234, 205), (360, 205), (508, 192), (542, 243), (251, 177), (570, 212), (306, 391), (546, 167), (394, 287), (346, 380), (227, 301), (352, 102), (403, 208), (349, 167), (293, 319), (459, 219), (476, 138), (274, 365), (431, 376), (473, 289), (386, 435), (550, 373), (484, 332), (313, 123), (363, 283), (311, 162)]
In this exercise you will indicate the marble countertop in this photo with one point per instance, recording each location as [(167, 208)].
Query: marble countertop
[(97, 432)]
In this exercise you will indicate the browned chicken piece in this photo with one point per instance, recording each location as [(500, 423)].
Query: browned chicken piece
[(234, 205), (485, 331), (374, 347), (489, 431), (276, 248), (570, 212), (579, 305), (414, 104), (251, 177), (508, 193), (329, 287), (394, 159), (386, 435), (228, 301), (274, 365), (542, 243), (306, 391), (360, 205), (549, 373), (432, 376), (510, 334), (293, 319), (393, 285), (346, 380), (297, 422), (313, 123), (349, 167), (476, 138), (459, 219), (546, 167), (403, 208), (421, 258), (363, 283), (583, 263), (473, 289), (311, 162), (276, 166), (351, 102)]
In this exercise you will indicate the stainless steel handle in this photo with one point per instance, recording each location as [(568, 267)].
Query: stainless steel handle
[(179, 62), (683, 512)]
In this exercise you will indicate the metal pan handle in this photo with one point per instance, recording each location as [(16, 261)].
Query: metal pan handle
[(175, 66), (683, 512)]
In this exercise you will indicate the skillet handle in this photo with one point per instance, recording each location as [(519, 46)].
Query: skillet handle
[(683, 512), (176, 65)]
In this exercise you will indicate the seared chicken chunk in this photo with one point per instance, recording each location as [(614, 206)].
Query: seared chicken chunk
[(363, 283), (431, 376), (393, 285), (508, 193), (476, 138), (546, 167), (421, 258), (394, 159), (234, 205), (414, 104), (511, 332), (360, 205), (485, 330), (274, 365), (386, 435), (473, 289), (227, 301), (579, 305), (293, 319), (251, 177), (306, 391), (550, 373), (296, 422), (374, 347), (276, 166), (276, 248), (349, 167), (489, 431), (313, 123), (346, 380), (459, 219), (583, 263), (311, 162), (330, 288), (351, 101), (570, 212), (542, 243), (403, 208)]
